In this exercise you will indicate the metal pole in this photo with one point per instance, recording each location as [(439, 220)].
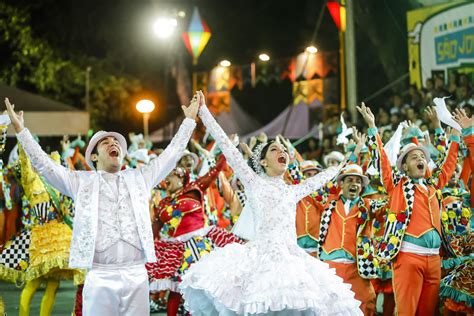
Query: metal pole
[(88, 72), (342, 70), (146, 116), (350, 53)]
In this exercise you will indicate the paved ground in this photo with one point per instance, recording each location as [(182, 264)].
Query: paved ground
[(64, 299)]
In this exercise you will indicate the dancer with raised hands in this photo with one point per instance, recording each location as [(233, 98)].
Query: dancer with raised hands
[(270, 274), (185, 236), (413, 231), (112, 235)]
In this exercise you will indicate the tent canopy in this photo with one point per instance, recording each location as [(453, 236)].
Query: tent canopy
[(237, 121), (46, 117)]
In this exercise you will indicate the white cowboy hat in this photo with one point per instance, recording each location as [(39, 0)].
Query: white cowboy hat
[(308, 165), (193, 155), (97, 138), (336, 155), (352, 170), (409, 148)]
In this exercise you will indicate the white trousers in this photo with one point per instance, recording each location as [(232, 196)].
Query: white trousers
[(114, 290)]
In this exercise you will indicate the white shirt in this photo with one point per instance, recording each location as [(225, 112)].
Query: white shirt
[(117, 239), (347, 206)]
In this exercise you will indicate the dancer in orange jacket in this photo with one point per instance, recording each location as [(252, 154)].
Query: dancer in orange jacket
[(413, 231)]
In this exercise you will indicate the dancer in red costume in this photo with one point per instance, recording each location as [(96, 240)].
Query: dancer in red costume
[(184, 235)]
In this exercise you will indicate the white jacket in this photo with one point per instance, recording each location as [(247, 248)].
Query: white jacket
[(83, 187)]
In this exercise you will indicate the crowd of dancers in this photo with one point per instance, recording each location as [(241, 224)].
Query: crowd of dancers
[(230, 228)]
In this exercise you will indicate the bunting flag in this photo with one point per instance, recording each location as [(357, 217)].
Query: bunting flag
[(287, 69), (338, 14), (316, 83), (197, 36), (218, 102), (219, 79), (315, 66), (331, 64), (236, 79), (308, 92)]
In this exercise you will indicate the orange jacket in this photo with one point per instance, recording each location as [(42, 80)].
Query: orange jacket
[(342, 233), (425, 213), (469, 164)]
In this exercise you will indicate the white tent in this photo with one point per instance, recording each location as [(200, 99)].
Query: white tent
[(46, 117), (237, 121), (292, 123)]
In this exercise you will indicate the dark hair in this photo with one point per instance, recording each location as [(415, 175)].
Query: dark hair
[(263, 153), (94, 152), (404, 160)]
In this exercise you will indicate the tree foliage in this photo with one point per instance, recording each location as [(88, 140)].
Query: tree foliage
[(30, 63)]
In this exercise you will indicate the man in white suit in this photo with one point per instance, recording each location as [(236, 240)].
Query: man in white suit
[(112, 236)]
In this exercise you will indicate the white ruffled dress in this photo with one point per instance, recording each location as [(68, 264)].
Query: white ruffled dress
[(269, 275)]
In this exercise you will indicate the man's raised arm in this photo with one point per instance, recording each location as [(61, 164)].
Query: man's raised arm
[(65, 180)]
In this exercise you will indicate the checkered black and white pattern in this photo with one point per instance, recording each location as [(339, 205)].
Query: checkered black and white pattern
[(377, 204), (16, 251), (366, 267), (324, 226), (391, 227), (242, 198)]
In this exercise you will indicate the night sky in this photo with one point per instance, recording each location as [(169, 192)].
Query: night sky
[(120, 31), (240, 29)]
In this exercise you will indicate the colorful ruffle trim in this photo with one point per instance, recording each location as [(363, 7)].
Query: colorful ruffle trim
[(458, 307), (453, 262), (157, 286), (55, 268), (11, 275), (456, 296)]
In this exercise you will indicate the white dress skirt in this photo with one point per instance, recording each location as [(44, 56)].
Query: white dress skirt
[(269, 275)]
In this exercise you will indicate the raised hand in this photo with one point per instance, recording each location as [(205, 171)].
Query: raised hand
[(192, 110), (201, 98), (16, 119), (246, 149), (285, 142), (253, 142), (433, 116), (234, 138), (367, 115), (262, 137), (460, 116), (355, 134), (360, 139)]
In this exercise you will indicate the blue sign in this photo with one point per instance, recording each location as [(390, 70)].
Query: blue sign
[(451, 47)]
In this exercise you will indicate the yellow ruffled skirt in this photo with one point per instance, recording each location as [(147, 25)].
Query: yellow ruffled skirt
[(47, 257), (49, 253)]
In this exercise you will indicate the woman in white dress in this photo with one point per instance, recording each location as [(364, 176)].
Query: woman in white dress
[(269, 275)]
